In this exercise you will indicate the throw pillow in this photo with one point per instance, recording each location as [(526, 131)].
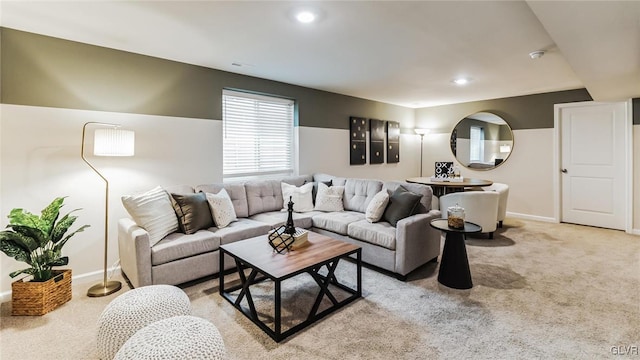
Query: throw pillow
[(376, 207), (402, 204), (222, 208), (329, 198), (153, 212), (301, 197), (193, 212), (314, 191)]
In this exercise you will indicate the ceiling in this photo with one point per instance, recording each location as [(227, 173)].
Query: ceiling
[(404, 53)]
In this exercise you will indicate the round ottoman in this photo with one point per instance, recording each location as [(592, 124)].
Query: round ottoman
[(176, 338), (134, 310)]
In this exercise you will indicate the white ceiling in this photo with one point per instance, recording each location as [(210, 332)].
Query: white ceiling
[(398, 52)]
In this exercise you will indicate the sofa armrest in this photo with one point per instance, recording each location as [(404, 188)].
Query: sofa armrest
[(416, 241), (135, 252)]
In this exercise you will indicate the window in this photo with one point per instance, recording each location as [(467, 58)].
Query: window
[(257, 135), (476, 151)]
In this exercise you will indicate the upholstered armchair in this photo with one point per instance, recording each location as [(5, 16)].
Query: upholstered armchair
[(503, 191), (480, 207)]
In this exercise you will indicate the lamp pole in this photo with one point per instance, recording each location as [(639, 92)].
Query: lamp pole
[(421, 141), (106, 287)]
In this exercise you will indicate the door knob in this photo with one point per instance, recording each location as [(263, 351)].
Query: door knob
[(564, 171)]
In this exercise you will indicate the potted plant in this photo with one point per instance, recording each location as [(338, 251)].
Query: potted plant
[(38, 241)]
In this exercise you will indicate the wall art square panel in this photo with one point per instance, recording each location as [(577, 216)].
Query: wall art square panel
[(393, 142), (376, 141), (357, 140)]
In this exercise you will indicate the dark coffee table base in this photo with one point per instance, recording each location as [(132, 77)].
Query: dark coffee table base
[(454, 265), (323, 282)]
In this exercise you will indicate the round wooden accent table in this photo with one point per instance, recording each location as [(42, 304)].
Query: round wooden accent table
[(444, 187)]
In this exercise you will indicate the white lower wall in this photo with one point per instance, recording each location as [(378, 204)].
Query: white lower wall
[(528, 170), (40, 160), (327, 151)]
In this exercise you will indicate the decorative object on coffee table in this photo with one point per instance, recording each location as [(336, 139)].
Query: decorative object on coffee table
[(357, 141), (286, 237), (38, 240)]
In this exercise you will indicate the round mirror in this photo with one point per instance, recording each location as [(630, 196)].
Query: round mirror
[(481, 141)]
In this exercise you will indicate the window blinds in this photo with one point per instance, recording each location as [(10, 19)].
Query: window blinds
[(257, 135), (476, 151)]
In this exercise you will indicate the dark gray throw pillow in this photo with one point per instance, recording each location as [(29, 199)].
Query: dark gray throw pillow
[(192, 211), (402, 204)]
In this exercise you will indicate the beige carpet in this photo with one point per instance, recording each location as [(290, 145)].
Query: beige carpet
[(540, 291)]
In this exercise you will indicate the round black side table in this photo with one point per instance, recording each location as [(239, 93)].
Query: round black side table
[(454, 265)]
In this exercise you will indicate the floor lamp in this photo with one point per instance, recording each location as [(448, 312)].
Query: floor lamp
[(422, 133), (111, 141)]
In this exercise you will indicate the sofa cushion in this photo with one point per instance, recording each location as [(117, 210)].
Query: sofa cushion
[(240, 230), (300, 196), (221, 208), (236, 192), (359, 192), (178, 246), (402, 204), (337, 222), (192, 211), (152, 211), (424, 206), (263, 196), (380, 233), (329, 198), (377, 206), (266, 195), (279, 218)]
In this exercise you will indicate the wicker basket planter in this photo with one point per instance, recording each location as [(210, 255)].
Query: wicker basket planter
[(39, 298)]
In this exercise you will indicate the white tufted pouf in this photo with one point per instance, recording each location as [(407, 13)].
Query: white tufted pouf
[(134, 310), (176, 338)]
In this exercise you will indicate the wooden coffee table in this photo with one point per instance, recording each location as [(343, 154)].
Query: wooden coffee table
[(257, 255)]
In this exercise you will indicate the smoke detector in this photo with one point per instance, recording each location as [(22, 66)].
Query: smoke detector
[(536, 54)]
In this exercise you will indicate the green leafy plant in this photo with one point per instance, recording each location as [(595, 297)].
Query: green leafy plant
[(38, 240)]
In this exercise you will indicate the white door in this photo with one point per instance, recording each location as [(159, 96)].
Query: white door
[(593, 164)]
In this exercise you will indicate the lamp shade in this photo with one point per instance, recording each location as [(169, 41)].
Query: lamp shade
[(114, 142), (421, 132), (505, 148)]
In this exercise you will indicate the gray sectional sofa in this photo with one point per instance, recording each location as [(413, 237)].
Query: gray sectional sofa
[(179, 257)]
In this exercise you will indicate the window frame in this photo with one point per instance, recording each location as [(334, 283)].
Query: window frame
[(261, 140)]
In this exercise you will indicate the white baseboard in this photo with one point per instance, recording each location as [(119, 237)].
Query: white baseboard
[(531, 217), (76, 280), (635, 231)]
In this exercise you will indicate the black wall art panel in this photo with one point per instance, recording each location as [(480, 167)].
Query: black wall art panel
[(376, 141), (357, 140), (393, 142)]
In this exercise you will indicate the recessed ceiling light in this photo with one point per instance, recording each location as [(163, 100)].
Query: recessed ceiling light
[(305, 17), (461, 81)]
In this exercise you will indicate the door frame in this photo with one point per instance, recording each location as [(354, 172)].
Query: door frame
[(628, 160)]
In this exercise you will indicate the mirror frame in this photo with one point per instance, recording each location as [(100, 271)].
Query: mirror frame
[(453, 141)]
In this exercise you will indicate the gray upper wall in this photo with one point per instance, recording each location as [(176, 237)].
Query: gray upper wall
[(39, 70), (520, 112)]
